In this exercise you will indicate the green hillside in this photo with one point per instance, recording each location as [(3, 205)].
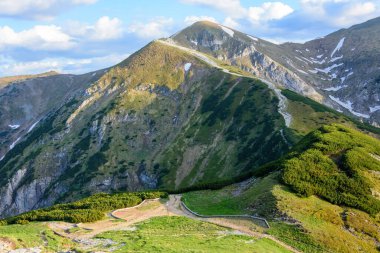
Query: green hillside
[(323, 197)]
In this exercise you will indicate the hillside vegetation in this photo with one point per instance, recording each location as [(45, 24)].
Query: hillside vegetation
[(86, 210), (322, 197), (333, 163), (181, 234)]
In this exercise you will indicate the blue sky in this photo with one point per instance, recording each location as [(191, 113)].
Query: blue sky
[(78, 36)]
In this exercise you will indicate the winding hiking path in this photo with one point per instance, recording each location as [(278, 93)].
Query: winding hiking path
[(124, 219)]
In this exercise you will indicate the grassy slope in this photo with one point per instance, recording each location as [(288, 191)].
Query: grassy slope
[(180, 234), (34, 235), (309, 223), (228, 134), (308, 115), (9, 79)]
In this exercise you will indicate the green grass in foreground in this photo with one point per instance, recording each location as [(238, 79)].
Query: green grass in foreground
[(34, 235), (180, 234), (231, 200)]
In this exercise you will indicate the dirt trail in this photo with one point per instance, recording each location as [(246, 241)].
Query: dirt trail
[(127, 217)]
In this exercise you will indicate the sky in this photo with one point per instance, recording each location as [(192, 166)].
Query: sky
[(79, 36)]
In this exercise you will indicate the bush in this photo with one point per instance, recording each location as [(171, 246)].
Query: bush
[(330, 165), (86, 210), (22, 222)]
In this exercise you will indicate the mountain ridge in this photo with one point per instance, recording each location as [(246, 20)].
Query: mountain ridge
[(166, 117)]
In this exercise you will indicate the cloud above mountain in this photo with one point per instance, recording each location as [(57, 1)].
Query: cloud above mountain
[(38, 9)]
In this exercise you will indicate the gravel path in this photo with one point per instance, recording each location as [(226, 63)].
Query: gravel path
[(124, 219)]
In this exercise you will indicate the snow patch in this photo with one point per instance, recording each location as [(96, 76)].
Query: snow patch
[(313, 71), (301, 71), (227, 30), (301, 60), (328, 69), (320, 56), (343, 79), (13, 127), (187, 66), (317, 62), (307, 59), (2, 157), (338, 47), (335, 88), (252, 38), (374, 109), (32, 126), (336, 58), (348, 106), (194, 42), (14, 143)]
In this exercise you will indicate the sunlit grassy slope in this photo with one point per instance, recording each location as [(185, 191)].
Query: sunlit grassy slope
[(324, 195), (180, 234)]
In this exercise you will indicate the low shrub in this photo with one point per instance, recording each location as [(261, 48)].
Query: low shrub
[(89, 209)]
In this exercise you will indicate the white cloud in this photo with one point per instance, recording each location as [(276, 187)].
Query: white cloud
[(338, 13), (352, 12), (40, 37), (37, 9), (231, 7), (105, 28), (269, 11), (60, 64), (160, 27), (189, 20), (230, 22), (256, 14)]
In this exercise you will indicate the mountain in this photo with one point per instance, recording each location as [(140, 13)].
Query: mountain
[(344, 67), (330, 70), (26, 100), (200, 109)]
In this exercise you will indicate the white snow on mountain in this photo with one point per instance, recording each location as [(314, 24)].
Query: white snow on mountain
[(252, 38), (338, 47), (336, 58), (227, 30), (348, 106), (31, 128), (328, 69), (187, 66), (374, 109), (14, 143)]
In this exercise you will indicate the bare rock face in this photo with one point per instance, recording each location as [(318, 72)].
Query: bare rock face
[(344, 66), (244, 51), (341, 69), (24, 102)]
